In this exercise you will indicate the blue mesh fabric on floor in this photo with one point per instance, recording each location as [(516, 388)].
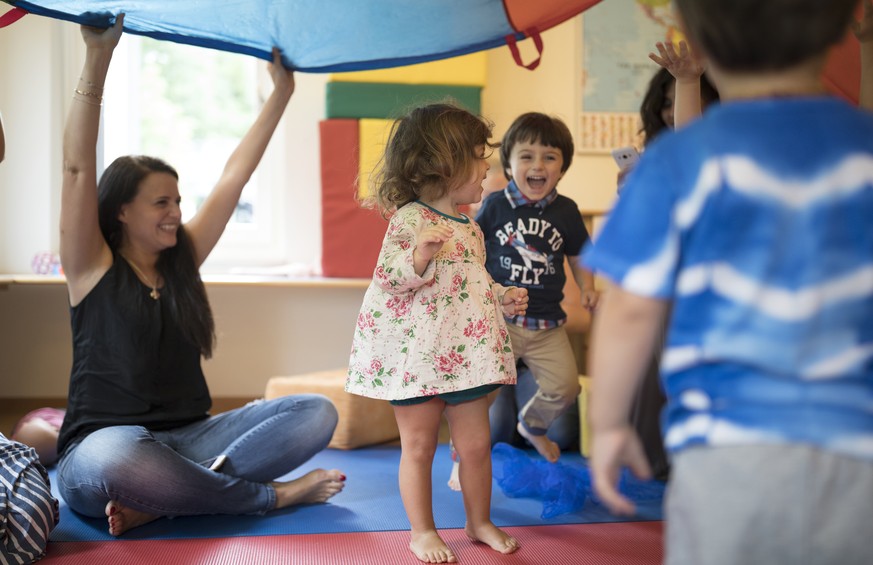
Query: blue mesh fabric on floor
[(369, 502)]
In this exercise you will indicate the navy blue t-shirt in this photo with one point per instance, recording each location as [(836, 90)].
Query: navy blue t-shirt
[(525, 246)]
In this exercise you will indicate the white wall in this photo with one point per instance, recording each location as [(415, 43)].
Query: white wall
[(30, 55)]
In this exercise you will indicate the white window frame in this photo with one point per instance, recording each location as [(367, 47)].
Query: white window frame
[(242, 246)]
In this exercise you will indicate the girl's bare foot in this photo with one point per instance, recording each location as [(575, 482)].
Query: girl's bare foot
[(429, 547), (493, 536), (313, 487), (455, 478), (544, 446), (122, 518)]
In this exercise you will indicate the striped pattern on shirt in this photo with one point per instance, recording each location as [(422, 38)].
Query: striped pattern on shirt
[(28, 512)]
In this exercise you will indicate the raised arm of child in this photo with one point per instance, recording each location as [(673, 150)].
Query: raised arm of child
[(863, 30), (627, 323), (687, 69)]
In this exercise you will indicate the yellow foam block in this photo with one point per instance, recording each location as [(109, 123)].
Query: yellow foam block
[(584, 427), (362, 421), (466, 70), (373, 138)]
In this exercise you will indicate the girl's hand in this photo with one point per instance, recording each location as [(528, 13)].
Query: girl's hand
[(683, 65), (430, 240), (283, 79), (515, 301), (863, 28), (103, 38)]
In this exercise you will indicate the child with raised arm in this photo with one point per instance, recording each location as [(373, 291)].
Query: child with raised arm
[(753, 223), (529, 228), (430, 336)]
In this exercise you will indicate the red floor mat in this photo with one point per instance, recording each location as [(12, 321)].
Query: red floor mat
[(627, 543)]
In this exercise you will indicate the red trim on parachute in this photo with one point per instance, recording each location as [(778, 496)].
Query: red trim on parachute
[(534, 34), (12, 16)]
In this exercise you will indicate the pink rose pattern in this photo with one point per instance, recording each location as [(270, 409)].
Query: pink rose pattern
[(430, 334)]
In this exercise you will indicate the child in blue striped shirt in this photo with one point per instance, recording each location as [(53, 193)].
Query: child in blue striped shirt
[(754, 225)]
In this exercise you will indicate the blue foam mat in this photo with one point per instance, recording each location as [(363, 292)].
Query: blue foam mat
[(370, 502)]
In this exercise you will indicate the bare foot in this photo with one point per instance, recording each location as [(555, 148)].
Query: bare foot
[(455, 478), (313, 487), (546, 447), (493, 536), (122, 518), (429, 547)]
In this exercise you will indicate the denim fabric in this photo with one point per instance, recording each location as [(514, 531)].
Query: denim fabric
[(503, 414), (167, 472)]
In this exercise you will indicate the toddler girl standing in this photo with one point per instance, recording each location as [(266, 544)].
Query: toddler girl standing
[(430, 336)]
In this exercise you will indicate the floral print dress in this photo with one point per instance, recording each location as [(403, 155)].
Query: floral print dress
[(439, 332)]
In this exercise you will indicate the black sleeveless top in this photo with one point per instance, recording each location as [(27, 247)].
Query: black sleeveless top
[(131, 364)]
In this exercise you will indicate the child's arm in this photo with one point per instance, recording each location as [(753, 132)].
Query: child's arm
[(514, 301), (863, 29), (585, 279), (625, 331), (405, 260), (686, 68), (429, 241)]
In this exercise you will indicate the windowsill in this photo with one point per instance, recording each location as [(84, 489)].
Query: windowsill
[(211, 280)]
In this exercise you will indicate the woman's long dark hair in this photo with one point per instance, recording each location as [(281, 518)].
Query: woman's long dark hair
[(183, 287)]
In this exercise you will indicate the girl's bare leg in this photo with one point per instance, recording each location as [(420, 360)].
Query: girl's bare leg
[(468, 423), (419, 431), (455, 476)]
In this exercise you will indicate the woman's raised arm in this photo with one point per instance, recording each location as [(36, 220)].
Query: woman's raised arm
[(85, 255)]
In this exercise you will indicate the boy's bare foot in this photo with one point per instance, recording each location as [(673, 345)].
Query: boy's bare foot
[(544, 446), (313, 487), (493, 536), (429, 547), (122, 518), (455, 478)]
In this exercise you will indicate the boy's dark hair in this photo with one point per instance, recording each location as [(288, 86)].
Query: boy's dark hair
[(535, 127), (656, 95), (762, 35)]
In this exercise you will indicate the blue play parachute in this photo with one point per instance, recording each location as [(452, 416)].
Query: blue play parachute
[(324, 35)]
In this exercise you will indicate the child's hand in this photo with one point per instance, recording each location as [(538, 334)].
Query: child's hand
[(590, 298), (611, 450), (683, 65), (863, 28), (515, 301), (428, 241)]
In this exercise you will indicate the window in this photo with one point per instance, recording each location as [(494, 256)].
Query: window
[(190, 106)]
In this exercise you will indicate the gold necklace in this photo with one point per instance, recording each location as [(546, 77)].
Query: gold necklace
[(155, 294)]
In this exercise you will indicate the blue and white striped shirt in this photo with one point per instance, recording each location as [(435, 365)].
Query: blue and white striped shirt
[(757, 223), (28, 512)]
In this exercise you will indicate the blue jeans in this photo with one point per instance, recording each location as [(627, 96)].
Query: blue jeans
[(167, 472), (510, 399)]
